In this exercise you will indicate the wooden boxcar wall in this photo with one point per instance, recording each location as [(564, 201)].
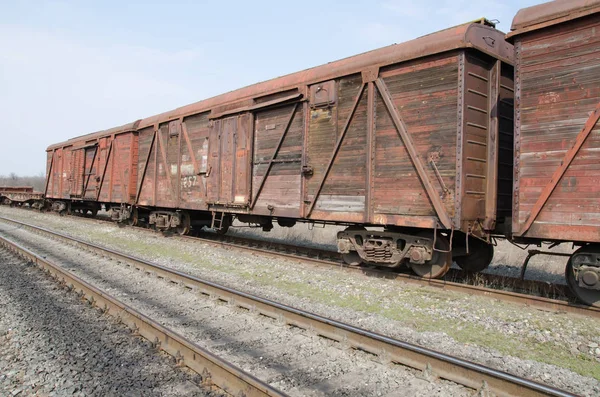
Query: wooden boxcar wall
[(456, 109), (340, 155), (558, 89)]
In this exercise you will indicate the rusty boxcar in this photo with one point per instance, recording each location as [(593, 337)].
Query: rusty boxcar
[(414, 138), (100, 168), (557, 134)]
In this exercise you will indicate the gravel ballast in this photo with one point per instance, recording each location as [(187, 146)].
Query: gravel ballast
[(53, 344), (294, 361), (555, 348)]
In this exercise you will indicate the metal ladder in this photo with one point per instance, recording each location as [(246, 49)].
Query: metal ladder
[(217, 220)]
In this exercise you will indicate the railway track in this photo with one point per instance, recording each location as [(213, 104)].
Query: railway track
[(432, 363), (533, 293), (216, 372), (547, 296)]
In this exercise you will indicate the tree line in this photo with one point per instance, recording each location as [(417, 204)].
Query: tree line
[(38, 182)]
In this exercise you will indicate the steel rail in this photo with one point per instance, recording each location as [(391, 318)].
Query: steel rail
[(433, 363), (522, 298), (541, 302), (215, 371)]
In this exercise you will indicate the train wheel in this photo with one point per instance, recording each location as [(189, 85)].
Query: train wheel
[(440, 262), (133, 218), (352, 258), (185, 226), (588, 296), (480, 257)]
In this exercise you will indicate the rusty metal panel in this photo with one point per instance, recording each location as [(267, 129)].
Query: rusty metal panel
[(486, 195), (558, 76), (505, 105), (16, 189), (323, 94), (552, 13), (476, 133)]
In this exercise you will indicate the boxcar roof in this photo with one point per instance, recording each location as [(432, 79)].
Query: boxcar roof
[(551, 13), (470, 35)]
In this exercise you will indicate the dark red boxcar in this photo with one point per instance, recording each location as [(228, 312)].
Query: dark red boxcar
[(557, 137), (557, 134), (93, 169)]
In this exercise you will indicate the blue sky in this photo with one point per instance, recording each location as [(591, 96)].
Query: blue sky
[(72, 67)]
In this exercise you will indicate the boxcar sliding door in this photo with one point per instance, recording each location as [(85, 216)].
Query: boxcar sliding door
[(229, 160)]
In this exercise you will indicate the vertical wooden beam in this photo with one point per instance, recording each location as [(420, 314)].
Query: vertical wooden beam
[(438, 205), (234, 143), (460, 141), (219, 159), (492, 148), (155, 179), (60, 171), (112, 169), (179, 162), (370, 155), (250, 153)]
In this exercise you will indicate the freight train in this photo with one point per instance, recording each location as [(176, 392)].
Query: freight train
[(427, 150)]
